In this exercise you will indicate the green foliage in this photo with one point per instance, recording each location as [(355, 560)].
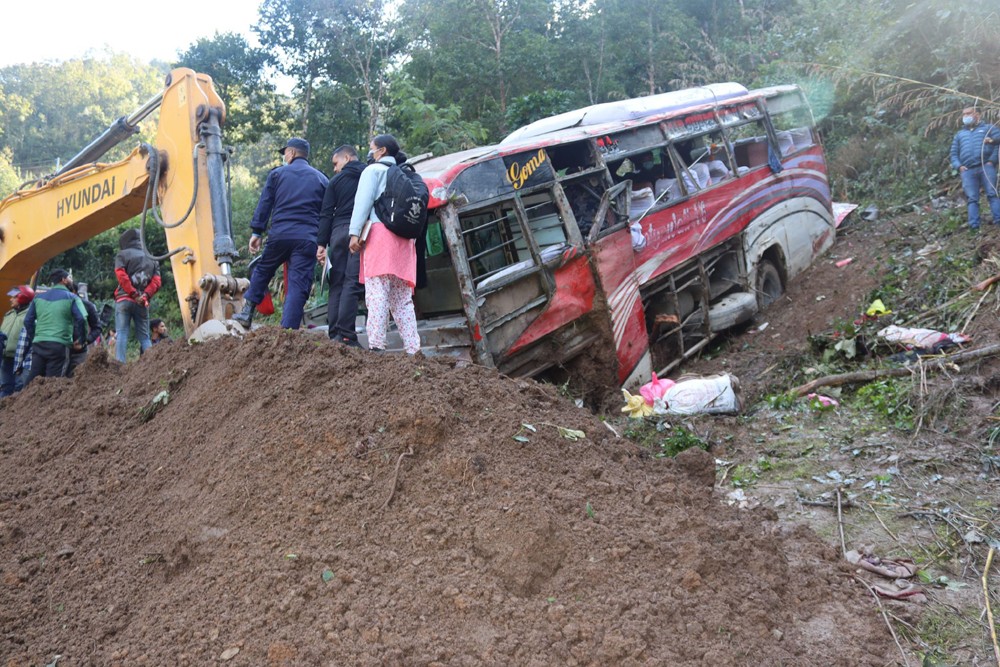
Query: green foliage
[(424, 127), (889, 399), (238, 72), (746, 475), (536, 105), (664, 440), (50, 111), (10, 177), (679, 439), (783, 401)]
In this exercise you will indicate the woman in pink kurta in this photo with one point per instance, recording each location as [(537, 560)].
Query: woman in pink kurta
[(388, 262)]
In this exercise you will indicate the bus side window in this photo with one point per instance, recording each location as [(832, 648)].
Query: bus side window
[(694, 172), (711, 151), (749, 142), (585, 198), (488, 241), (793, 131)]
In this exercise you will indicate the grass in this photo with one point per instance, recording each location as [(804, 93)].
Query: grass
[(890, 472), (661, 439)]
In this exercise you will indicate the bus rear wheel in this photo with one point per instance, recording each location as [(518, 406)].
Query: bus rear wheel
[(769, 287)]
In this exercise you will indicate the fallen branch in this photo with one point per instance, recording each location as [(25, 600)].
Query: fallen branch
[(989, 608), (975, 310), (947, 304), (395, 478), (840, 523), (870, 376), (984, 285), (902, 653)]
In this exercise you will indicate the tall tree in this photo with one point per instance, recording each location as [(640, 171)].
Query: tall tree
[(295, 31), (239, 72), (480, 53), (363, 42)]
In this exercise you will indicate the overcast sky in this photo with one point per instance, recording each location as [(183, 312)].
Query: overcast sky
[(65, 29)]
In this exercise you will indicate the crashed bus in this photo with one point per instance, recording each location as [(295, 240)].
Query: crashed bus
[(635, 230)]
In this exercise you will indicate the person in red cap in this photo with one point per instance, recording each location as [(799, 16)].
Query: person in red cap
[(13, 322)]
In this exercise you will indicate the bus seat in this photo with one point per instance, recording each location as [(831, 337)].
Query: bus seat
[(718, 171), (702, 179), (668, 185), (786, 142), (642, 200)]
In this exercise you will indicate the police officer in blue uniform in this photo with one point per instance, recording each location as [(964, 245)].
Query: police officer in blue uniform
[(291, 203)]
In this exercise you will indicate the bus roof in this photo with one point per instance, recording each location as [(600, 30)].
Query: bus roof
[(593, 121), (626, 110)]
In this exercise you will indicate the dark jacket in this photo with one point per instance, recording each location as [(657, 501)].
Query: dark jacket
[(137, 272), (290, 202), (93, 321), (56, 316), (338, 202), (968, 149)]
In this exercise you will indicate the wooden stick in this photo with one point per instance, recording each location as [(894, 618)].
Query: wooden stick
[(975, 310), (989, 608), (902, 653), (869, 376), (395, 478), (985, 285), (840, 523), (882, 522)]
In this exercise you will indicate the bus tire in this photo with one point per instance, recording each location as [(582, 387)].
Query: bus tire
[(769, 287)]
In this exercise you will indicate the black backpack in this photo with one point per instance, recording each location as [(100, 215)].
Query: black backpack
[(402, 208)]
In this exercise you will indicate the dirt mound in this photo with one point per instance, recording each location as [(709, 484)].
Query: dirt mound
[(292, 502)]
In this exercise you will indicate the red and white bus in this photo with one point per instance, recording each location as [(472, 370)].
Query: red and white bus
[(634, 229)]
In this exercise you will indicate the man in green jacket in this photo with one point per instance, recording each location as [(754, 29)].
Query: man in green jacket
[(56, 321), (13, 322)]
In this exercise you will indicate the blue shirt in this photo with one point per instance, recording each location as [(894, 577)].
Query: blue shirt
[(291, 202)]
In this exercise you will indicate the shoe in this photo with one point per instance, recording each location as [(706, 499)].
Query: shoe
[(349, 342), (380, 350), (973, 228), (245, 316)]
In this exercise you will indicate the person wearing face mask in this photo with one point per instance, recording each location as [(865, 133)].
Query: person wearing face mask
[(388, 262), (974, 155), (290, 203), (647, 171)]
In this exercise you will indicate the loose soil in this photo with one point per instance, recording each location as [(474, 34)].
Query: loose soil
[(293, 502), (927, 491)]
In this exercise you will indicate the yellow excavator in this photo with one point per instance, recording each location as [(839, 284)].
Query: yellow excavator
[(178, 180)]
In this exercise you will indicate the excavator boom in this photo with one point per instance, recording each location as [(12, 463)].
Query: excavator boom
[(178, 180)]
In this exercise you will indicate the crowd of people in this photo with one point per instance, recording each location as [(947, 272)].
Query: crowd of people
[(48, 333), (306, 218)]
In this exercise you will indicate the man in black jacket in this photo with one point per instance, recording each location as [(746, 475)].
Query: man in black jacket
[(78, 351), (334, 223)]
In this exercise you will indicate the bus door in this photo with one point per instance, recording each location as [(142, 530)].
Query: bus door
[(528, 273)]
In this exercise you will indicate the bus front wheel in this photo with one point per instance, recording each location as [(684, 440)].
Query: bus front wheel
[(769, 287)]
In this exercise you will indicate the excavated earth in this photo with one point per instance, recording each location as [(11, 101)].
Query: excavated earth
[(293, 502)]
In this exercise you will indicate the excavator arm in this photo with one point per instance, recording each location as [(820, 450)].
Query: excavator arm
[(178, 181)]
